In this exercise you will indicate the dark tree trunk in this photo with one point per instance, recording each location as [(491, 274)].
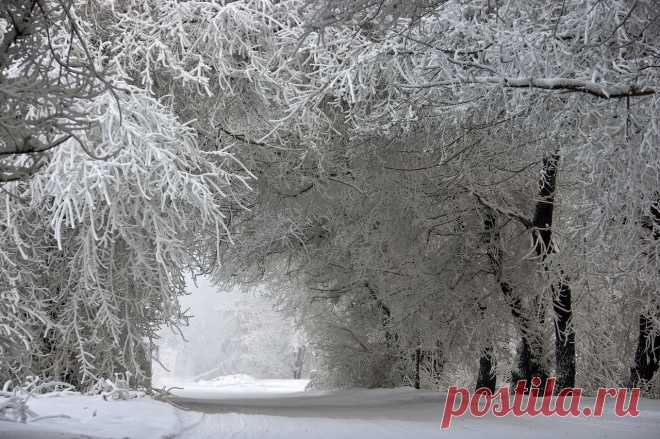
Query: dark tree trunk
[(393, 353), (564, 337), (647, 355), (146, 356), (391, 338), (530, 349), (418, 360), (487, 377), (561, 298), (530, 362)]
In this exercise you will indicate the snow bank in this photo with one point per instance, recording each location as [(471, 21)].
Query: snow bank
[(238, 386), (92, 416), (239, 380)]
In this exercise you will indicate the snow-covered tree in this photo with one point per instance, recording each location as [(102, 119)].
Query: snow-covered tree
[(96, 243), (47, 75), (510, 92), (436, 181)]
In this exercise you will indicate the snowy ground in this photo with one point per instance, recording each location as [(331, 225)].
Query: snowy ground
[(241, 407)]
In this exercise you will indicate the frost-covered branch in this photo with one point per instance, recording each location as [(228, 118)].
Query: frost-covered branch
[(561, 84), (505, 211)]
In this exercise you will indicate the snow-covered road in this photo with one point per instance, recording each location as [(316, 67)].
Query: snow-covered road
[(287, 398), (387, 413), (240, 408)]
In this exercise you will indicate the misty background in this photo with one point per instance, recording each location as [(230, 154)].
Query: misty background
[(230, 332)]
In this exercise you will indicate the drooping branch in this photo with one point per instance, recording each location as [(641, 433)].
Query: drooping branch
[(600, 90), (19, 22), (605, 91), (505, 211), (41, 112)]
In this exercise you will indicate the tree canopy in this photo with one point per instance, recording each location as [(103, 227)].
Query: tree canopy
[(428, 187)]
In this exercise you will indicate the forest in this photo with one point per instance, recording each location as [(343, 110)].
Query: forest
[(436, 192)]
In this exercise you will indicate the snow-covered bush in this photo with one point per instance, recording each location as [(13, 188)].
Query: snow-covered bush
[(14, 402)]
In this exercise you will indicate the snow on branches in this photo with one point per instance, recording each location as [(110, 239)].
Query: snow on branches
[(393, 143), (95, 244), (117, 235)]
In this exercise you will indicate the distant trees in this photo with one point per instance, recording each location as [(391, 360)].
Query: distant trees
[(230, 333), (442, 73)]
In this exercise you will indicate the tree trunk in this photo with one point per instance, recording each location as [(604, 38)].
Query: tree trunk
[(564, 337), (146, 381), (487, 377), (391, 339), (647, 355), (530, 359), (298, 362), (418, 360), (561, 298), (530, 349)]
